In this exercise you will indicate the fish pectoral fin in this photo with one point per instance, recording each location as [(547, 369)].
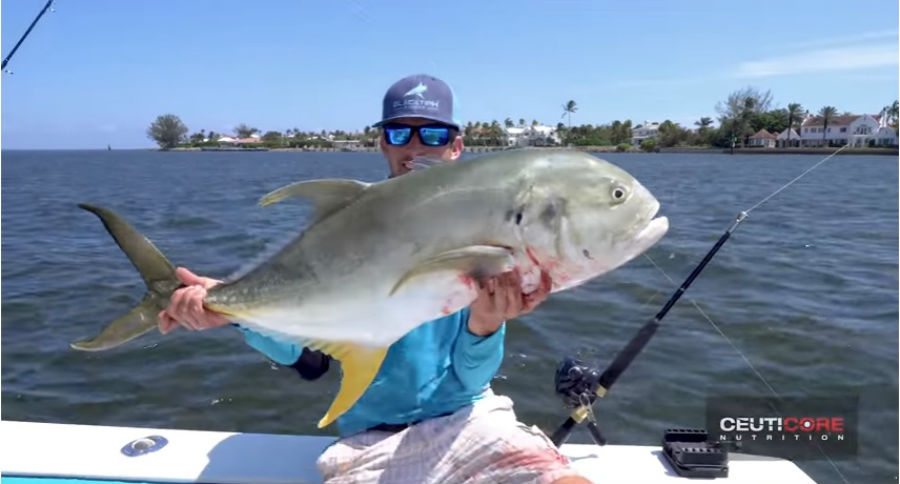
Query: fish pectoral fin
[(475, 261), (327, 195), (359, 365)]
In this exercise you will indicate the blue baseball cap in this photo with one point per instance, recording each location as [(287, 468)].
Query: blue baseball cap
[(419, 96)]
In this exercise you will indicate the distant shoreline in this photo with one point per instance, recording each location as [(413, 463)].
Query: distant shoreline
[(601, 149), (486, 149)]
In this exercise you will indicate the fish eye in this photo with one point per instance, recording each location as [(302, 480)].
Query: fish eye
[(618, 193)]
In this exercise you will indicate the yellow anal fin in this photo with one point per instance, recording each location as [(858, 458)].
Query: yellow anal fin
[(359, 365)]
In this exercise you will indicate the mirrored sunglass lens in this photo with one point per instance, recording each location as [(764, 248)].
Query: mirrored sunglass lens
[(398, 136), (434, 136)]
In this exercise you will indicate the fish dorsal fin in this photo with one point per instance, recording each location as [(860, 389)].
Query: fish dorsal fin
[(327, 195)]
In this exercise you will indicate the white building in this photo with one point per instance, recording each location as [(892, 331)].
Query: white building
[(782, 140), (857, 130), (536, 135), (234, 140), (762, 139), (648, 130)]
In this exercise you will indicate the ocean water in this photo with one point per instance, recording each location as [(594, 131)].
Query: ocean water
[(801, 301)]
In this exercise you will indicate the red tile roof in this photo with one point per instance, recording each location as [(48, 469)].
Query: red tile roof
[(763, 134)]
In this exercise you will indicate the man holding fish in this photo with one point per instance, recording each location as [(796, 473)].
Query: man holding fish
[(407, 282), (429, 414)]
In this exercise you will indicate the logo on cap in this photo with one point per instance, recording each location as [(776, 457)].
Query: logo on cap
[(417, 91)]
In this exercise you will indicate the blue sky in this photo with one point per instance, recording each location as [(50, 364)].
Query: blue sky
[(99, 71)]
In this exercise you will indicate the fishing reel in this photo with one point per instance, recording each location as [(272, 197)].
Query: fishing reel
[(579, 386), (576, 383)]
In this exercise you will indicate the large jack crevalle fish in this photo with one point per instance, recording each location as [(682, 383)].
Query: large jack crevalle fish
[(379, 259)]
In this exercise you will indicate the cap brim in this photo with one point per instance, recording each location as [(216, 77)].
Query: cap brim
[(416, 116)]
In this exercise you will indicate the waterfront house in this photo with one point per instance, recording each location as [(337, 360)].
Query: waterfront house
[(856, 129), (782, 141), (536, 135), (648, 130), (762, 139)]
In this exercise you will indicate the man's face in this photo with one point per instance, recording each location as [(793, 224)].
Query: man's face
[(399, 156)]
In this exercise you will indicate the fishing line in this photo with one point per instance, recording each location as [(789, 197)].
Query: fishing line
[(573, 379), (727, 339), (776, 192), (744, 214)]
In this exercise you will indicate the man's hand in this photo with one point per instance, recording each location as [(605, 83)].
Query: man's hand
[(500, 298), (186, 305)]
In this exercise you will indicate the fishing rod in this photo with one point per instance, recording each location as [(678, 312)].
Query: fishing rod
[(580, 385), (22, 39)]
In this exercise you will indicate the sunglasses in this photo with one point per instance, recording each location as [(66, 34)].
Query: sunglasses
[(429, 135)]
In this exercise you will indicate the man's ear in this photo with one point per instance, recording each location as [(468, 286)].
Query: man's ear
[(458, 147)]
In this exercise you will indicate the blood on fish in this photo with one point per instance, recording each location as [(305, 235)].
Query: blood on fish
[(467, 280)]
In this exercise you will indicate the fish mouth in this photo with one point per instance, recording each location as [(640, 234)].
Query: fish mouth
[(654, 230)]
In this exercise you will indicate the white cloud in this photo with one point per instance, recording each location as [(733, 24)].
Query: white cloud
[(824, 60), (847, 39)]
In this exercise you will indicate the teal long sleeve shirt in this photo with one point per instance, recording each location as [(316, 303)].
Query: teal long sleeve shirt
[(435, 369)]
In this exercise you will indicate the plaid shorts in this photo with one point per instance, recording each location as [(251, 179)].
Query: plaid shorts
[(482, 442)]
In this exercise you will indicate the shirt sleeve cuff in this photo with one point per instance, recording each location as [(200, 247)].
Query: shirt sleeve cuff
[(282, 353)]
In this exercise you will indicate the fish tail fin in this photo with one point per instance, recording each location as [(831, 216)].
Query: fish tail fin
[(359, 365), (158, 274)]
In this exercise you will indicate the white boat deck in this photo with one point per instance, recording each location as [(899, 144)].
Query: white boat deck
[(95, 452)]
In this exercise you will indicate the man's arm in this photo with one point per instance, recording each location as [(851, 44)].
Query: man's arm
[(477, 358), (478, 351), (186, 309)]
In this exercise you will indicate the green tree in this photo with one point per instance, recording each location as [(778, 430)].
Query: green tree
[(569, 109), (167, 130), (508, 122), (703, 131), (244, 131), (703, 123), (774, 121), (738, 110), (271, 137), (649, 145), (828, 113), (795, 117), (521, 121), (671, 134), (891, 113)]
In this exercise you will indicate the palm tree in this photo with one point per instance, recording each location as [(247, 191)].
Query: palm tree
[(522, 122), (569, 108), (891, 113), (795, 111), (828, 113), (508, 122), (704, 122)]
